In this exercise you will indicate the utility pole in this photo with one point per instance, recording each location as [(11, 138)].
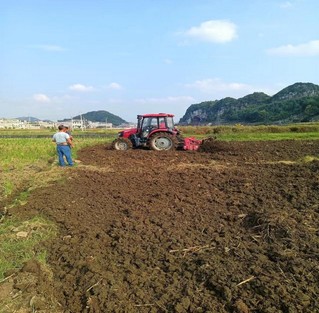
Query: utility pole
[(81, 122)]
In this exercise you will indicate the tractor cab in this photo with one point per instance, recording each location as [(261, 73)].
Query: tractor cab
[(149, 123)]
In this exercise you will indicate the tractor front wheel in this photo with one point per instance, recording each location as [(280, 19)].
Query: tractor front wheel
[(162, 141), (121, 144)]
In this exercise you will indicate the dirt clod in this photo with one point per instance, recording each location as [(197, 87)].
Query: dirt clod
[(241, 307)]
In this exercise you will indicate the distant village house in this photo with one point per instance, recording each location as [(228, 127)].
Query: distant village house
[(22, 124), (72, 123)]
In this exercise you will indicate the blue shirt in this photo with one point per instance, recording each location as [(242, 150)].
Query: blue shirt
[(61, 137)]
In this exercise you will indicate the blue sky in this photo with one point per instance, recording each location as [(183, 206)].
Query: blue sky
[(61, 58)]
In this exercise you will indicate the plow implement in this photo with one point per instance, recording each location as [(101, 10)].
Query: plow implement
[(191, 143)]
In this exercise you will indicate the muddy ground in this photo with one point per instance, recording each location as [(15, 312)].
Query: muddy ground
[(233, 228)]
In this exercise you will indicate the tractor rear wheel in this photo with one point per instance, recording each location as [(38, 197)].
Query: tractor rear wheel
[(122, 144), (163, 141)]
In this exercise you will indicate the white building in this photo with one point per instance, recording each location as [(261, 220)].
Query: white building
[(99, 125), (12, 124), (76, 124), (47, 124)]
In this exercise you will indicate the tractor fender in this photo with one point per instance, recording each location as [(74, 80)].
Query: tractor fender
[(159, 130)]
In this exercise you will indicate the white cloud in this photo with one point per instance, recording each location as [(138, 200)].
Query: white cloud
[(170, 104), (285, 5), (168, 61), (40, 97), (213, 85), (114, 86), (51, 48), (166, 100), (81, 88), (310, 48), (218, 31)]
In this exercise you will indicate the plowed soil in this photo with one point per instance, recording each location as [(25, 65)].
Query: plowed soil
[(231, 228)]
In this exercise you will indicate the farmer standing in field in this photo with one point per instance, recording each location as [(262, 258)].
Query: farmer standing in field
[(63, 146)]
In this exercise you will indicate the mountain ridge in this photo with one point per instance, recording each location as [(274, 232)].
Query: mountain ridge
[(100, 116), (296, 103)]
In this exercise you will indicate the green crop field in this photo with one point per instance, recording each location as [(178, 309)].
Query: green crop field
[(21, 157), (19, 152)]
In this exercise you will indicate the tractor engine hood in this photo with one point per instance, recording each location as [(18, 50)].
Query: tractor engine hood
[(127, 132)]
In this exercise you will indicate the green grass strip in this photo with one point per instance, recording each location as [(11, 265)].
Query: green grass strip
[(18, 240)]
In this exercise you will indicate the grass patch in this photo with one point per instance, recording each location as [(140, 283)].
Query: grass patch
[(7, 187), (16, 153), (18, 240), (22, 198), (268, 136), (262, 129), (309, 158), (21, 160), (255, 136)]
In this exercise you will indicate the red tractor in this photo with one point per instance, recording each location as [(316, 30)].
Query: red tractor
[(155, 131)]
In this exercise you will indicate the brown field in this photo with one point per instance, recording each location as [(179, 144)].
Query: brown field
[(234, 228)]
